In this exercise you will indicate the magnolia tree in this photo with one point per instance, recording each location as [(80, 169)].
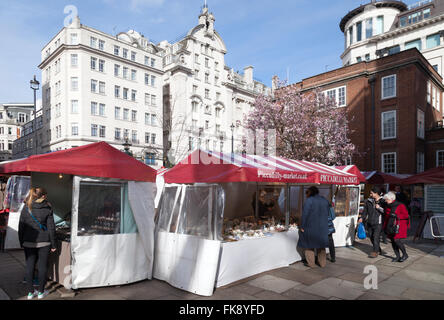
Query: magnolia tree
[(308, 126)]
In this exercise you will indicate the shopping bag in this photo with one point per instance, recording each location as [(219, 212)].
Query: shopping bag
[(361, 231)]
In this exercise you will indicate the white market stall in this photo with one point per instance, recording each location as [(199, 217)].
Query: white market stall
[(103, 202), (431, 185), (225, 217), (17, 188)]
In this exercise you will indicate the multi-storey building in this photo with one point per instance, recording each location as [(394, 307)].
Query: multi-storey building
[(204, 100), (12, 117), (165, 99), (97, 87), (382, 28)]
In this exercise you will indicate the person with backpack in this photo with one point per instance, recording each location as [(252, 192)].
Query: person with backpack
[(396, 224), (37, 237), (372, 216)]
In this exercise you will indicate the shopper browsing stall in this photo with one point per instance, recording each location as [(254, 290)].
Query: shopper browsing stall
[(37, 237), (314, 227)]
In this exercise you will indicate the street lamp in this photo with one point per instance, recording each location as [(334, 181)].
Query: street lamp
[(232, 137), (126, 147), (34, 84)]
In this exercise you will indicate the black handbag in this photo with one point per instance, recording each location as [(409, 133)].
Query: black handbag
[(392, 226)]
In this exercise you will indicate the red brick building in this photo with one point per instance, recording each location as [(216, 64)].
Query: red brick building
[(394, 104)]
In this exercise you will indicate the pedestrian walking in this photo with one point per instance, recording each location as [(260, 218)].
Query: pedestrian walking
[(396, 224), (37, 237), (372, 217), (331, 230), (314, 227)]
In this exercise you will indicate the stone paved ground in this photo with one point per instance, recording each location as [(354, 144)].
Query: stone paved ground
[(420, 277)]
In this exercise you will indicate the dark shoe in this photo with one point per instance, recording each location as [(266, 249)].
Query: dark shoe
[(403, 258), (397, 259), (333, 260)]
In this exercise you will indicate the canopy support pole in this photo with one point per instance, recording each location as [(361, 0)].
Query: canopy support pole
[(257, 201)]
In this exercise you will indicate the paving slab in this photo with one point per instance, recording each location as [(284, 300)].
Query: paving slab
[(299, 266), (333, 287), (270, 295), (376, 296), (247, 289), (407, 283), (427, 276), (228, 294), (273, 283), (308, 278), (417, 294), (295, 294), (389, 289)]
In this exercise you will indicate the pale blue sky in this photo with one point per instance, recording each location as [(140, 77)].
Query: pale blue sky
[(272, 35)]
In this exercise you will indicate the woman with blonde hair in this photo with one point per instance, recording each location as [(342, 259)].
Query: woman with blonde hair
[(37, 237)]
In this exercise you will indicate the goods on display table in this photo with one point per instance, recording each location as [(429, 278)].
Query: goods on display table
[(214, 215)]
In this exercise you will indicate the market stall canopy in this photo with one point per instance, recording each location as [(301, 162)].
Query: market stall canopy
[(354, 170), (216, 167), (376, 177), (432, 176), (92, 160)]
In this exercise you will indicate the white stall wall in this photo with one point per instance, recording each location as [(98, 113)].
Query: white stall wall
[(187, 262)]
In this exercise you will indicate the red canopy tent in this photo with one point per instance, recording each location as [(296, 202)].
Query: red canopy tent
[(92, 160), (215, 167), (432, 176), (376, 177), (354, 170)]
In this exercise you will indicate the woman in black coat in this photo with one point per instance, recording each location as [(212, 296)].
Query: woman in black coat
[(37, 237)]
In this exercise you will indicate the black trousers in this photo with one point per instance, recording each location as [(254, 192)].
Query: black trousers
[(331, 247), (397, 246), (32, 255), (374, 233)]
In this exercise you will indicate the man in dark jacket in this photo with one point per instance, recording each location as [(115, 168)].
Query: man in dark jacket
[(37, 237), (331, 230), (314, 227), (372, 216)]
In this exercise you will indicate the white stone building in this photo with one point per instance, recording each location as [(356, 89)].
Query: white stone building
[(167, 99), (205, 101), (98, 87), (12, 117), (384, 27)]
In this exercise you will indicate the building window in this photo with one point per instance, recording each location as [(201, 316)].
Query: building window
[(133, 95), (350, 35), (419, 162), (369, 28), (388, 87), (153, 81), (153, 138), (94, 128), (125, 53), (358, 59), (414, 44), (101, 45), (194, 106), (74, 39), (147, 79), (133, 56), (116, 70), (125, 93), (367, 57), (102, 87), (93, 85), (153, 100), (147, 60), (153, 119), (74, 60), (94, 111), (153, 62), (74, 83), (93, 63), (379, 27), (125, 72), (102, 131), (420, 127), (394, 49), (74, 106), (101, 65), (93, 42), (102, 109), (388, 162), (359, 31), (117, 113), (429, 93), (207, 93), (440, 158), (433, 40), (117, 135), (147, 138), (388, 125), (426, 13), (116, 50), (133, 115), (134, 136), (338, 95), (125, 114), (147, 119), (133, 75), (117, 91), (74, 129), (147, 99)]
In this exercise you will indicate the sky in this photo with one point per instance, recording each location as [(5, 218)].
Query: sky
[(288, 38)]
